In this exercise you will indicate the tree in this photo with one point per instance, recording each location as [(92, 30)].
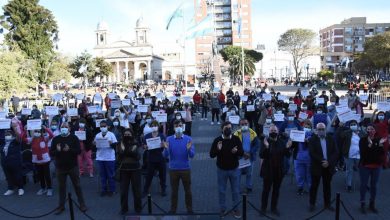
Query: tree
[(59, 70), (32, 29), (96, 67), (377, 50), (299, 43), (233, 55), (14, 76), (102, 68)]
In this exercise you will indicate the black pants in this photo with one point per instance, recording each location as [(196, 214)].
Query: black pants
[(13, 174), (133, 177), (326, 181), (215, 113), (268, 182), (188, 128), (162, 170), (43, 172), (73, 173), (185, 177)]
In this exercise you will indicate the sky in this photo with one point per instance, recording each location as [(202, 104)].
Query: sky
[(78, 19)]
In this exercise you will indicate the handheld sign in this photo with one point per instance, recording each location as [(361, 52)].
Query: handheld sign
[(292, 107), (73, 112), (26, 111), (92, 109), (5, 123), (148, 101), (278, 117), (244, 98), (267, 97), (126, 102), (98, 122), (115, 103), (250, 108), (242, 163), (162, 117), (153, 143), (34, 124), (234, 119), (298, 136), (320, 101), (2, 114), (81, 135), (303, 115), (80, 96), (51, 110), (111, 95), (143, 108)]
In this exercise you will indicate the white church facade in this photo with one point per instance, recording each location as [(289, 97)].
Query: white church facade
[(131, 61)]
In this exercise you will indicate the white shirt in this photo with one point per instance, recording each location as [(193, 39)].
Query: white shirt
[(147, 130), (106, 153), (354, 148)]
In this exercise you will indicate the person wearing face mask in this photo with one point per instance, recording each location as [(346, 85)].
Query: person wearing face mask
[(154, 160), (350, 150), (179, 149), (171, 129), (129, 155), (197, 100), (250, 144), (188, 119), (302, 159), (323, 157), (64, 150), (250, 112), (11, 162), (116, 129), (35, 113), (371, 160), (206, 103), (106, 142), (291, 124), (85, 157), (236, 100), (146, 126), (40, 158), (266, 111), (215, 109), (228, 150), (352, 98), (320, 117), (381, 123), (272, 171)]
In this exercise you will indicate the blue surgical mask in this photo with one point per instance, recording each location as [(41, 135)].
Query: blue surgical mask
[(64, 131), (103, 129), (115, 123), (178, 130)]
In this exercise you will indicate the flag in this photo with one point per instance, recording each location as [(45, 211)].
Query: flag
[(204, 27), (178, 13)]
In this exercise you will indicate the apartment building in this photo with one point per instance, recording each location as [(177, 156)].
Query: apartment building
[(340, 41)]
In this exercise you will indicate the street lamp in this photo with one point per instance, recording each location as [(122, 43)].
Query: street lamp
[(307, 70), (83, 70)]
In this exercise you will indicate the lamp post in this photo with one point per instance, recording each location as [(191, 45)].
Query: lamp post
[(307, 70), (83, 70)]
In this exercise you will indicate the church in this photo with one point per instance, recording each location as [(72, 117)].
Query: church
[(131, 61)]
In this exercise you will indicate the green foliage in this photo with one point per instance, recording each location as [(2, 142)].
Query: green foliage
[(59, 70), (102, 67), (377, 50), (233, 55), (96, 67), (326, 74), (299, 43), (32, 29), (15, 74)]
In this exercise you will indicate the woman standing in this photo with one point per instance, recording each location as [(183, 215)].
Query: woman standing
[(129, 155), (371, 160), (205, 105)]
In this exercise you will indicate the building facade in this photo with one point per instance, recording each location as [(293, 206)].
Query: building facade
[(340, 41), (131, 60), (226, 14)]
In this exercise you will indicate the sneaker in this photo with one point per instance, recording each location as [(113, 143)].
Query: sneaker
[(49, 192), (41, 192), (91, 175), (20, 192), (9, 192), (212, 123), (237, 214), (205, 119), (219, 123)]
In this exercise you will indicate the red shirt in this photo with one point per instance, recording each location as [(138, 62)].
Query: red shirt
[(197, 98)]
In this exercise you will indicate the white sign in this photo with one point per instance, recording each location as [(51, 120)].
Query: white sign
[(342, 108), (81, 135), (143, 108), (26, 111), (131, 94), (250, 108), (266, 130), (102, 143), (160, 95), (98, 122), (183, 114), (345, 116), (234, 119), (267, 97), (80, 96), (282, 97), (51, 110), (278, 117), (298, 136), (115, 103), (155, 113), (136, 102), (57, 97), (2, 114), (383, 106), (356, 117), (320, 100), (72, 112), (224, 109), (244, 98), (343, 102), (172, 98), (242, 163), (5, 123), (305, 93), (111, 95), (153, 143), (363, 97), (303, 115), (162, 117), (148, 101), (35, 124), (292, 107), (187, 99), (126, 102), (92, 109)]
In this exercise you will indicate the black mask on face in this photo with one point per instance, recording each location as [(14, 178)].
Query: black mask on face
[(227, 132), (128, 138), (273, 134)]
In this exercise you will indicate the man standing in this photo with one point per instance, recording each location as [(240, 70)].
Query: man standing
[(250, 145), (65, 148), (323, 154), (228, 150), (179, 149), (15, 103)]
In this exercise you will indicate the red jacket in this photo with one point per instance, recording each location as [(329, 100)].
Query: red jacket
[(221, 98), (39, 147), (197, 98)]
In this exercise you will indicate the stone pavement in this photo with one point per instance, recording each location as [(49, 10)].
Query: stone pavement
[(205, 192)]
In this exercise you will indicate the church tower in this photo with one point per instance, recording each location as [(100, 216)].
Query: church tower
[(141, 32), (101, 34)]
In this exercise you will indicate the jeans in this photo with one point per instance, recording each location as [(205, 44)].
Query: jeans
[(107, 172), (350, 163), (133, 177), (215, 114), (43, 171), (247, 171), (152, 167), (197, 107), (373, 174), (205, 109), (223, 177), (302, 173), (185, 176), (73, 173)]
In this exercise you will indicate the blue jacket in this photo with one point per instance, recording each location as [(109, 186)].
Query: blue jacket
[(178, 153)]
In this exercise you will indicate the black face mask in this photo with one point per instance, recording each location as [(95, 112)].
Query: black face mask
[(128, 138), (273, 134), (227, 132)]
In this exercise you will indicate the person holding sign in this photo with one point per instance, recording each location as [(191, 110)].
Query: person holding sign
[(129, 155), (320, 117), (154, 160), (179, 149), (250, 144), (228, 150), (106, 142), (64, 149), (323, 156), (85, 157), (11, 162), (272, 170)]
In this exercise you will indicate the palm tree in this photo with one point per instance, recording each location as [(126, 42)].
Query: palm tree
[(237, 67)]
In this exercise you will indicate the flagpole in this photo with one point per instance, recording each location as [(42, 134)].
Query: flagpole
[(242, 50), (184, 55)]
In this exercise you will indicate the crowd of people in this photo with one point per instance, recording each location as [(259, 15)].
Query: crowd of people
[(137, 133)]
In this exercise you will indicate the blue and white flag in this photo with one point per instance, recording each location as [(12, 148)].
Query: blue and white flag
[(203, 28)]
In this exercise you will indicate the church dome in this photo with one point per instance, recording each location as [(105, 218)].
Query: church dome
[(140, 22), (102, 26)]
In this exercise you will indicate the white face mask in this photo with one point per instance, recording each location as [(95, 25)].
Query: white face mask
[(154, 129), (268, 121), (115, 123), (178, 117), (103, 129), (178, 130), (37, 134), (81, 125)]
